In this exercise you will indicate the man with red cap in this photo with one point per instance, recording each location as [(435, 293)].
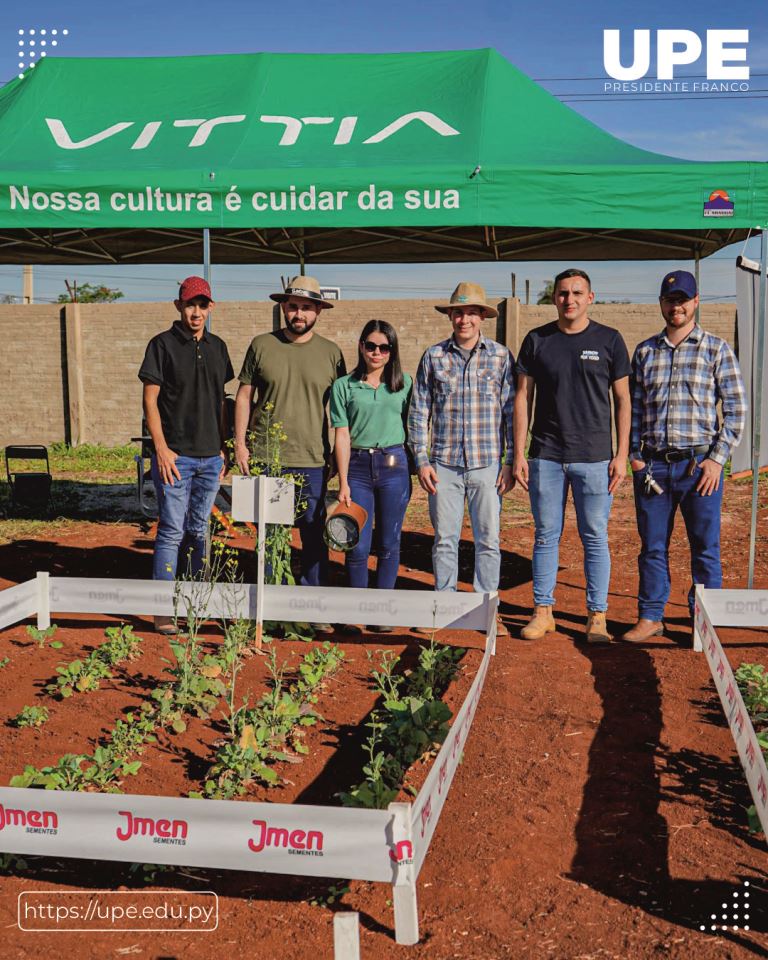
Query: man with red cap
[(184, 373)]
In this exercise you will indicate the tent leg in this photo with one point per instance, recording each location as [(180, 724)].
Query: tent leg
[(207, 266), (757, 396)]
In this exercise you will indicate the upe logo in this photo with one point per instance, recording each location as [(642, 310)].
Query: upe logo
[(724, 51), (35, 821), (161, 831), (299, 842)]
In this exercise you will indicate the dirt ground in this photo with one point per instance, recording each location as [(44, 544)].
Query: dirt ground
[(599, 811)]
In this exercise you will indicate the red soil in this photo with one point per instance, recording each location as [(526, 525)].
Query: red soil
[(599, 811)]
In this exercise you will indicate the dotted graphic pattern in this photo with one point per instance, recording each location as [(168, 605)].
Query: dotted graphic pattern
[(34, 43), (740, 908)]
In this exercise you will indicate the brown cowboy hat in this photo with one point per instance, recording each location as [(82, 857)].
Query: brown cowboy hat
[(306, 287), (468, 295)]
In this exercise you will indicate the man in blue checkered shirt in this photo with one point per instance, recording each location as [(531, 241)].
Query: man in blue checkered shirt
[(465, 388), (678, 447)]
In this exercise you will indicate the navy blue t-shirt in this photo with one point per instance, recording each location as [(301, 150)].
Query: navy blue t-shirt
[(572, 374)]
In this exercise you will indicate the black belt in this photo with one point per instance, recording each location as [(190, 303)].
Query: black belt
[(672, 455)]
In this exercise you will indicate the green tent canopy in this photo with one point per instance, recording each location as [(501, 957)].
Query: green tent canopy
[(339, 158)]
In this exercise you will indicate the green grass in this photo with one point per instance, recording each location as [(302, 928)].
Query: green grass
[(89, 461), (92, 461)]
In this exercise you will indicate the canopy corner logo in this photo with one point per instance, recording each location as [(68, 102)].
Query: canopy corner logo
[(724, 52), (719, 204)]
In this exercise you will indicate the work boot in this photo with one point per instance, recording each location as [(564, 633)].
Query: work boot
[(643, 630), (541, 623), (597, 629)]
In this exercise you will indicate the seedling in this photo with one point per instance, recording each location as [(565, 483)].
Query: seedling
[(41, 636), (31, 717)]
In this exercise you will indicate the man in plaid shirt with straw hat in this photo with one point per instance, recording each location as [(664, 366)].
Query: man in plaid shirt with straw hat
[(464, 389)]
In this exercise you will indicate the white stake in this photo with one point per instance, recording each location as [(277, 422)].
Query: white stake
[(346, 936)]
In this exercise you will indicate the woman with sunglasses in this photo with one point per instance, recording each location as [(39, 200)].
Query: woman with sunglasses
[(369, 408)]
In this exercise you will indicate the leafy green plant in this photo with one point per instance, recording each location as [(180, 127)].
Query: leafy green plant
[(10, 863), (41, 636), (4, 662), (122, 646), (79, 676), (752, 680), (31, 717), (262, 734), (411, 726)]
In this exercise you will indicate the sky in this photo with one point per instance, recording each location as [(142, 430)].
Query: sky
[(557, 43)]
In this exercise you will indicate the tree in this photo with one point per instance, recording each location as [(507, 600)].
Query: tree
[(89, 293), (547, 295)]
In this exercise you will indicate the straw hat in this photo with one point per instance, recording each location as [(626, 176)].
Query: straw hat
[(306, 287), (468, 295)]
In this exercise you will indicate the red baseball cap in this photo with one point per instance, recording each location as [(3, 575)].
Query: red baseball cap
[(194, 287)]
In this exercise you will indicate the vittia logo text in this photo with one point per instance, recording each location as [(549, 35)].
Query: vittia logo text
[(308, 843), (723, 52)]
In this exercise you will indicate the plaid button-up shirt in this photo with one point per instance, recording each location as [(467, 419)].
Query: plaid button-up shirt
[(468, 402), (675, 391)]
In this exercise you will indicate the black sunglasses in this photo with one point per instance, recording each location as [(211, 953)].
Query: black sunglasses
[(370, 347)]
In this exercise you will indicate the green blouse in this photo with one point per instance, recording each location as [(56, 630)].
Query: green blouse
[(375, 417)]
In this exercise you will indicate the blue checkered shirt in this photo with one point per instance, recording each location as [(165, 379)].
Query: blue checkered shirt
[(468, 402), (675, 391)]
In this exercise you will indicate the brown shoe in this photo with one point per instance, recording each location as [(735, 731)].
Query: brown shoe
[(597, 629), (643, 630), (502, 630), (541, 623), (166, 626)]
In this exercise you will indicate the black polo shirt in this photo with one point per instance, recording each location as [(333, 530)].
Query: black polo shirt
[(191, 375)]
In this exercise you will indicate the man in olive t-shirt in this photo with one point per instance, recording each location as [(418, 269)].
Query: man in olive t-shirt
[(291, 371)]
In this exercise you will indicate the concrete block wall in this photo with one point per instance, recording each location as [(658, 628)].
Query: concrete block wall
[(39, 389)]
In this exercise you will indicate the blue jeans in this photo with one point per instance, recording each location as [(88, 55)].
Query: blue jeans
[(446, 511), (655, 520), (184, 508), (310, 522), (384, 492), (548, 489)]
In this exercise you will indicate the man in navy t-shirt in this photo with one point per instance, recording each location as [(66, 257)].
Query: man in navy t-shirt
[(571, 366)]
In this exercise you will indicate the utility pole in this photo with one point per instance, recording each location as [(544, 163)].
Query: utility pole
[(514, 284), (72, 290), (28, 293), (527, 292)]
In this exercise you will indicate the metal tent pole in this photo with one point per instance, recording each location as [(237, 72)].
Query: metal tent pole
[(758, 345), (207, 266)]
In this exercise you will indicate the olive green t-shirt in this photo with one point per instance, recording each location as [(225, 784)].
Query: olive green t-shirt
[(296, 379), (376, 418)]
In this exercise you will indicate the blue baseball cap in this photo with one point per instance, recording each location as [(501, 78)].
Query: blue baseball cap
[(679, 282)]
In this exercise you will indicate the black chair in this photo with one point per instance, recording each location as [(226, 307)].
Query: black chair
[(29, 488), (143, 472)]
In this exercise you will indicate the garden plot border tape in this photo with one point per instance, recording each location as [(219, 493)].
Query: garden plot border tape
[(387, 846), (734, 608)]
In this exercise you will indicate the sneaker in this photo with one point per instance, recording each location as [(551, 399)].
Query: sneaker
[(597, 629), (166, 626), (351, 630), (380, 628), (541, 623), (323, 627)]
